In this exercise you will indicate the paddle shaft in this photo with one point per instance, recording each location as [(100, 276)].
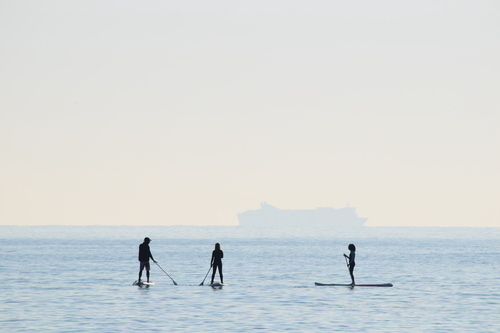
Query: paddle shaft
[(205, 276), (166, 273)]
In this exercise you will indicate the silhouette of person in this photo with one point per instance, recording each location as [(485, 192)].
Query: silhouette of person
[(216, 262), (351, 257), (144, 255)]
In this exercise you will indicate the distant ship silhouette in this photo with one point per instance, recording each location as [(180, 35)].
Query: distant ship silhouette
[(269, 215)]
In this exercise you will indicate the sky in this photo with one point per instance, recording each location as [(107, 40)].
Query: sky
[(188, 112)]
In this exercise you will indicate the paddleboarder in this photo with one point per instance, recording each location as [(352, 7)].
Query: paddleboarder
[(144, 255), (216, 262), (351, 263)]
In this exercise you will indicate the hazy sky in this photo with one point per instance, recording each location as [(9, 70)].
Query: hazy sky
[(188, 112)]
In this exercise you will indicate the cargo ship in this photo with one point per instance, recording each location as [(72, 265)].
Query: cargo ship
[(269, 215)]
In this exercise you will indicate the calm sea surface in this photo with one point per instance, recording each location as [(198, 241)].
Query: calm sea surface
[(79, 279)]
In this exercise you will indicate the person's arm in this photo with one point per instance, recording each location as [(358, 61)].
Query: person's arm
[(345, 255), (151, 256), (212, 259), (221, 254)]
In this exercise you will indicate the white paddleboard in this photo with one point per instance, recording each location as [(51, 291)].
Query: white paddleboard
[(355, 285), (143, 283), (216, 284)]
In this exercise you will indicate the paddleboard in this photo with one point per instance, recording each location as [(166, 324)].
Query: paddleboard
[(216, 284), (143, 283), (356, 285)]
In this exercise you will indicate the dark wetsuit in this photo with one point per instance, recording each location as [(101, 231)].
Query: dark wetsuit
[(352, 255), (216, 261)]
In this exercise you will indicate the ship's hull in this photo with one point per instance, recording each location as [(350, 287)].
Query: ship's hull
[(269, 215)]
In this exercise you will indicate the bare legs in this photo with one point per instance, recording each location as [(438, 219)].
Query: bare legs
[(147, 274)]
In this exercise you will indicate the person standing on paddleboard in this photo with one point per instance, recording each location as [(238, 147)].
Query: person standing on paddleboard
[(144, 255), (351, 263), (216, 262)]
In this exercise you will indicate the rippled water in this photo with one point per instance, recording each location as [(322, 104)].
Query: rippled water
[(79, 279)]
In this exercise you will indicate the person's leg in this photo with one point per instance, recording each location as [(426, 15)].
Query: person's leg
[(220, 273), (214, 267), (351, 272), (140, 271), (147, 270)]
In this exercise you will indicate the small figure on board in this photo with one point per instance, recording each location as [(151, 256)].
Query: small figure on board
[(216, 262), (144, 255), (351, 263)]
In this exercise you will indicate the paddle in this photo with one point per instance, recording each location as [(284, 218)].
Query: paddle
[(167, 274), (205, 276)]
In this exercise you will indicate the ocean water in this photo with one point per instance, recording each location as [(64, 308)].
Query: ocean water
[(79, 279)]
